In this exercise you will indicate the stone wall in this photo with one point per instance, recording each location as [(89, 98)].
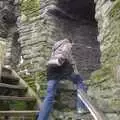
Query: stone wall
[(105, 83), (37, 34), (9, 11), (43, 30), (53, 20)]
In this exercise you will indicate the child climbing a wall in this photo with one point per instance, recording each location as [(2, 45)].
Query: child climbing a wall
[(59, 67)]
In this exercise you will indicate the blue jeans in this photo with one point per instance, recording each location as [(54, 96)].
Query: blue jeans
[(47, 105)]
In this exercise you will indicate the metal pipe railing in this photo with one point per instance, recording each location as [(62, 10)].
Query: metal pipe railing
[(95, 112)]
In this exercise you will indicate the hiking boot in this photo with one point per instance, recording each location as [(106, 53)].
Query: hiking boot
[(61, 51)]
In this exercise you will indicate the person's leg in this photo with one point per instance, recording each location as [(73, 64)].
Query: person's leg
[(55, 71), (77, 79), (80, 85), (48, 101)]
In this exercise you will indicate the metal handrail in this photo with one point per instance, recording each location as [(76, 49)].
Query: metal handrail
[(95, 112)]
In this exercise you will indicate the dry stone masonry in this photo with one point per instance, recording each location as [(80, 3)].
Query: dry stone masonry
[(9, 11), (105, 84), (96, 46), (57, 20)]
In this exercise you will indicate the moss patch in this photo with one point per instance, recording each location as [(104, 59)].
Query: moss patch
[(115, 104), (41, 80), (17, 105), (110, 45), (30, 6), (115, 10), (37, 81), (29, 9)]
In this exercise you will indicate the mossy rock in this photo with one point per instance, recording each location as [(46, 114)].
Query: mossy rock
[(30, 6), (37, 81), (17, 105)]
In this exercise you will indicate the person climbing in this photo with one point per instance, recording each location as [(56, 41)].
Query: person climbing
[(59, 67)]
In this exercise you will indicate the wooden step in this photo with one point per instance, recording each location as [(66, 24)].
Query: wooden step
[(12, 90), (8, 76), (17, 104), (9, 79), (15, 113), (12, 86), (6, 69), (18, 115), (8, 98)]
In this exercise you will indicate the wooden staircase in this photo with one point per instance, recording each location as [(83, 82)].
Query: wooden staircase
[(17, 99)]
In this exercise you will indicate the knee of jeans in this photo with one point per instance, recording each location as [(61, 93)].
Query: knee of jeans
[(51, 90), (50, 94)]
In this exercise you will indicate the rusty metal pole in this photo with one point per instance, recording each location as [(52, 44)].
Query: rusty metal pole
[(2, 53)]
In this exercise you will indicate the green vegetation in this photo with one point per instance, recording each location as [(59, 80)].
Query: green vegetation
[(17, 105), (30, 7), (114, 12), (115, 103), (39, 79), (110, 48)]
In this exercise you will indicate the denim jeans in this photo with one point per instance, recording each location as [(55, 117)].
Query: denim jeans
[(47, 105)]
